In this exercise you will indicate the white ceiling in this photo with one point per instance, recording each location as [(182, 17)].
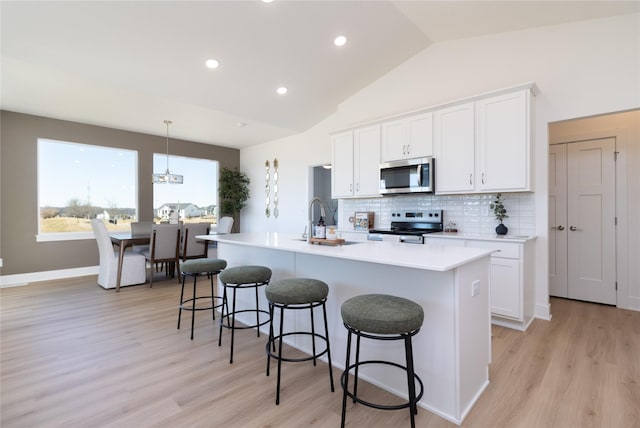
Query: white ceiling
[(130, 65)]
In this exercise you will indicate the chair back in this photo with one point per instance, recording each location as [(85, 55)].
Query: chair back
[(105, 247), (165, 242), (141, 227), (224, 225), (194, 248)]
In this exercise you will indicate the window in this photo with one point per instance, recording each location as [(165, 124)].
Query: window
[(78, 182), (196, 199)]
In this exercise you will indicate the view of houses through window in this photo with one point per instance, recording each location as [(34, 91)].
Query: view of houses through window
[(196, 199), (79, 182)]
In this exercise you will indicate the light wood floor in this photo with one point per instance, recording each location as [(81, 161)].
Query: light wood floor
[(75, 355)]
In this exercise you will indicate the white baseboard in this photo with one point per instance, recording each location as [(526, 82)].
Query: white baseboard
[(633, 303), (26, 278), (543, 312)]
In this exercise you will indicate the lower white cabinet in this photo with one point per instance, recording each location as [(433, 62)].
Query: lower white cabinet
[(511, 277)]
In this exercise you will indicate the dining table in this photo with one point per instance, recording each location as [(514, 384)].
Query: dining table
[(124, 240)]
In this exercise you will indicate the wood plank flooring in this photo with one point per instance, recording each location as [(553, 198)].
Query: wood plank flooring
[(75, 355)]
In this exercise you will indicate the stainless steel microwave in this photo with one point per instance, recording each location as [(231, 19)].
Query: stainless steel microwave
[(407, 176)]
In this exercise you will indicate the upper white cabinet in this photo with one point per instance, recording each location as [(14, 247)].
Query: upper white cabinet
[(485, 145), (454, 141), (406, 138), (356, 163), (503, 143)]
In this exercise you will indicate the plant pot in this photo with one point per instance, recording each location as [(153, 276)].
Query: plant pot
[(501, 229)]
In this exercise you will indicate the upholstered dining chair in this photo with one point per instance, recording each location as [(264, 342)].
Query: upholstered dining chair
[(133, 264), (141, 228), (193, 248), (164, 248), (224, 225)]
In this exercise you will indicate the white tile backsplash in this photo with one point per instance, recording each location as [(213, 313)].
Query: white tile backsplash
[(471, 213)]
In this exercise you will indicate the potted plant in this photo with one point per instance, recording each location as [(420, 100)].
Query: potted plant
[(501, 213), (234, 193)]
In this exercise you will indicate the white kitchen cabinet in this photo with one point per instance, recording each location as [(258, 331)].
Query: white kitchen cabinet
[(407, 138), (454, 140), (484, 146), (503, 143), (356, 163), (512, 289)]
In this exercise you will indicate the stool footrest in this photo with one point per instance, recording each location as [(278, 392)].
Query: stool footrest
[(275, 339), (345, 373), (183, 304)]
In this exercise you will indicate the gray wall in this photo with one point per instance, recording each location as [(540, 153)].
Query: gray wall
[(18, 185)]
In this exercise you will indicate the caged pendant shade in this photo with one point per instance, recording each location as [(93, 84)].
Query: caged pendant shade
[(167, 177)]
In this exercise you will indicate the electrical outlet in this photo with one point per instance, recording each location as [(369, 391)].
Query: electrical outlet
[(475, 288)]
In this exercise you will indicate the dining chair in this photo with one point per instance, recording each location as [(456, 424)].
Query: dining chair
[(133, 264), (141, 228), (164, 247), (193, 248), (224, 225)]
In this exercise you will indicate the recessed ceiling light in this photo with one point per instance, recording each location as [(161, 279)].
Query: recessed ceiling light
[(267, 1), (281, 90), (212, 63), (340, 41)]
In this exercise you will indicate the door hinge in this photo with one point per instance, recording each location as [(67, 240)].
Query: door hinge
[(615, 156), (616, 285), (615, 221)]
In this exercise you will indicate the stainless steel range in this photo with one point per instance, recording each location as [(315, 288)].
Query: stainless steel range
[(409, 226)]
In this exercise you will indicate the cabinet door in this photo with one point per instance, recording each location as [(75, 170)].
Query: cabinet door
[(503, 143), (454, 148), (394, 140), (420, 135), (505, 287), (407, 138), (342, 170), (366, 169)]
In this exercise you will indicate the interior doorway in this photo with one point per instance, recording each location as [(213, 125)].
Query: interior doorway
[(582, 239), (321, 188)]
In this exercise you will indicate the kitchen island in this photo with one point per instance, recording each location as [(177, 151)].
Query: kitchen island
[(452, 351)]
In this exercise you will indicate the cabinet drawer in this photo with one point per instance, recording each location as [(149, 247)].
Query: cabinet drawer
[(507, 250)]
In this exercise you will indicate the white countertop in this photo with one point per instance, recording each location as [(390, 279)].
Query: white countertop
[(496, 238), (427, 257)]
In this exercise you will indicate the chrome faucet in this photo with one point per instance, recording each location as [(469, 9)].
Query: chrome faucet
[(322, 214)]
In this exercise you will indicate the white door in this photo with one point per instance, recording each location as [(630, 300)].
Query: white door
[(589, 231), (558, 221)]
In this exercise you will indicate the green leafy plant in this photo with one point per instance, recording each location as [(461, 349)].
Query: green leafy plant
[(234, 192), (498, 208)]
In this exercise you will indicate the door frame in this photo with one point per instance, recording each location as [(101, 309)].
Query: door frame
[(622, 233)]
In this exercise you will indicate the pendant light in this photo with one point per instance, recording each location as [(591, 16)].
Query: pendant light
[(167, 177)]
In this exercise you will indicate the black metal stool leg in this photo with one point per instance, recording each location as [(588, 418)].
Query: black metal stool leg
[(345, 379), (257, 313), (326, 334), (181, 297), (233, 323), (213, 296), (225, 305), (280, 354), (193, 307), (411, 381), (313, 336), (355, 379), (270, 343)]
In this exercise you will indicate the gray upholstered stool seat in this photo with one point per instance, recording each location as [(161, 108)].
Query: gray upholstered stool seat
[(239, 278), (296, 293), (246, 275), (196, 268), (382, 314), (202, 265), (386, 318)]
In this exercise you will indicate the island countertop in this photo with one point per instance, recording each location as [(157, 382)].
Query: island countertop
[(427, 257)]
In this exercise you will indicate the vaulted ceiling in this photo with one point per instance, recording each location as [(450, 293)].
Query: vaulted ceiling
[(130, 65)]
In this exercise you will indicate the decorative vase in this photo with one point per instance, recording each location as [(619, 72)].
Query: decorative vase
[(501, 229)]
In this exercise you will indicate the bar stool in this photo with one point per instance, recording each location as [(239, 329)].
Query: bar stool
[(240, 278), (381, 317), (296, 293), (196, 268)]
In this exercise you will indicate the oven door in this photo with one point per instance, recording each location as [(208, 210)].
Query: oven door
[(407, 176)]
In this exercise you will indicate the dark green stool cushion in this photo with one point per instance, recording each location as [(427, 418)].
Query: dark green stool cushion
[(382, 314), (202, 265), (245, 275), (296, 291)]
